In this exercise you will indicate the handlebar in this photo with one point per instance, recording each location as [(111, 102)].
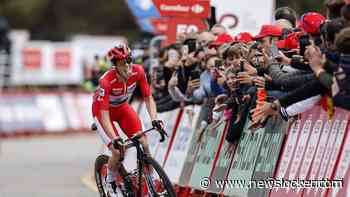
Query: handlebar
[(130, 142)]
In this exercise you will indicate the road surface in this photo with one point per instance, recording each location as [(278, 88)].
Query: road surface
[(47, 166)]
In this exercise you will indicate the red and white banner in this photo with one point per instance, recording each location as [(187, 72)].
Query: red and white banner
[(294, 152), (184, 25), (160, 25), (62, 59), (184, 8), (311, 152), (32, 58), (342, 171)]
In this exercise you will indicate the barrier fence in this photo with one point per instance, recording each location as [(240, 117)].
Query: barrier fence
[(310, 157)]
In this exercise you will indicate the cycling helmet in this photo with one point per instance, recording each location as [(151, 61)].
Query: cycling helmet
[(120, 52), (310, 22)]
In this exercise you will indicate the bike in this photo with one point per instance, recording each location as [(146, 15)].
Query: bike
[(140, 181)]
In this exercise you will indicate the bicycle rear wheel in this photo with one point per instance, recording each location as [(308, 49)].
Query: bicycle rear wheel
[(158, 183)]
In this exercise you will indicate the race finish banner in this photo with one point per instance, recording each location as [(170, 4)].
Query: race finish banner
[(205, 158), (244, 160), (183, 138), (268, 156)]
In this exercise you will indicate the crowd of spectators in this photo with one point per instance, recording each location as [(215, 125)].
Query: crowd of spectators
[(291, 66)]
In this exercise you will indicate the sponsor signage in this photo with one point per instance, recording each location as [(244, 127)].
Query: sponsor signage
[(31, 58), (186, 8), (184, 25)]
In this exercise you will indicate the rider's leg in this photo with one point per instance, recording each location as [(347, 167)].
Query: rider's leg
[(113, 165), (145, 145), (114, 160)]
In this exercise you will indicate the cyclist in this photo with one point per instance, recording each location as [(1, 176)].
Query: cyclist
[(110, 104)]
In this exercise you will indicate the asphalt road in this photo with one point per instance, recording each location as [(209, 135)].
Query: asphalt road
[(47, 166)]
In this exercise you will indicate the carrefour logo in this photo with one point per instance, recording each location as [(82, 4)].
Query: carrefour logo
[(197, 8)]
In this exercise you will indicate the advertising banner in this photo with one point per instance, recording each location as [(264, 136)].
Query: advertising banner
[(206, 155), (179, 150), (222, 166), (184, 25), (294, 152), (244, 161), (331, 152), (188, 8), (160, 25), (342, 169), (51, 112), (161, 148), (266, 162), (19, 113), (192, 153), (71, 110), (244, 16), (83, 106)]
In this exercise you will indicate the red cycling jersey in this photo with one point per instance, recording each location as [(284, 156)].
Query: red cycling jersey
[(112, 95), (113, 92)]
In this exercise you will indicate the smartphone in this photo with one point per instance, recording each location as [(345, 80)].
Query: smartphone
[(304, 41), (192, 46), (184, 50), (218, 63)]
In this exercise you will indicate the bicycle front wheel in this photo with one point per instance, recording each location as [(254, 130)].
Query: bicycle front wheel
[(158, 183)]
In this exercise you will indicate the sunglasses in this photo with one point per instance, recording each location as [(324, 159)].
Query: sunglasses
[(128, 60)]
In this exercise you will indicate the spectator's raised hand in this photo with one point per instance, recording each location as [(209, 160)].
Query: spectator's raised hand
[(260, 114), (245, 78), (173, 81), (259, 82)]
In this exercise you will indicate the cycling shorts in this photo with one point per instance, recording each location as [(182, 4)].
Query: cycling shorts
[(123, 114)]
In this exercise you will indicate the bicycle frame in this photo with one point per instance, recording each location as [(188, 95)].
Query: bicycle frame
[(141, 156)]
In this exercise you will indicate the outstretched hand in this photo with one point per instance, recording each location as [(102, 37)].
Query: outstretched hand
[(260, 114)]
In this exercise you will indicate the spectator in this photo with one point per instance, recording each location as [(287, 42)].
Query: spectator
[(218, 29)]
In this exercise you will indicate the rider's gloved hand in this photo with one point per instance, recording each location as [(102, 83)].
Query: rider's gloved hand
[(158, 124), (117, 143)]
